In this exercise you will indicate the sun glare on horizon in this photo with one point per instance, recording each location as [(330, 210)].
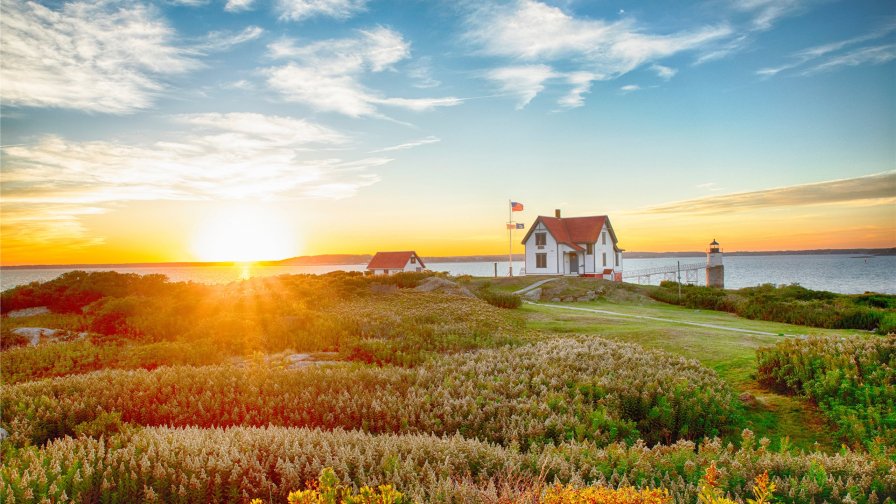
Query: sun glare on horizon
[(244, 235)]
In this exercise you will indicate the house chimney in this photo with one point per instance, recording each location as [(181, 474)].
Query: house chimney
[(557, 213)]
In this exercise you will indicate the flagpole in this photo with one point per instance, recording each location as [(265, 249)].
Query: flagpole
[(510, 236)]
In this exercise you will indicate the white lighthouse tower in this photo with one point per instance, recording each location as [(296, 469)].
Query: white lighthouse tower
[(715, 270)]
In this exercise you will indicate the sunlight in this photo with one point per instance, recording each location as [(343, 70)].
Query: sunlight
[(243, 235)]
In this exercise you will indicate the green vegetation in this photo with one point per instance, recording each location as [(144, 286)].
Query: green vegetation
[(186, 392), (791, 304), (66, 358), (209, 465), (547, 392), (852, 380)]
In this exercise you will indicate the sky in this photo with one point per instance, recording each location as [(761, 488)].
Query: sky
[(246, 129)]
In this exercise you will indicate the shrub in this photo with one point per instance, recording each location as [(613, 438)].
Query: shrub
[(233, 465), (853, 380), (546, 392), (500, 299), (792, 304)]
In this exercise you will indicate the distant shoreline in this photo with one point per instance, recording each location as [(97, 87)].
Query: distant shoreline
[(361, 259)]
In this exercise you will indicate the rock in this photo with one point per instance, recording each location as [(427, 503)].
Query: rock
[(35, 333), (29, 312), (438, 284), (555, 300), (748, 399), (534, 294), (582, 299), (3, 434), (569, 299)]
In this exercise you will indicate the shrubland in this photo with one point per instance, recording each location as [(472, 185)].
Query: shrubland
[(338, 312), (549, 392), (165, 464), (791, 304), (853, 381)]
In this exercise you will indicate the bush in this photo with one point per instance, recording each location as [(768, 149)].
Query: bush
[(232, 465), (500, 299), (791, 304), (547, 392), (853, 380)]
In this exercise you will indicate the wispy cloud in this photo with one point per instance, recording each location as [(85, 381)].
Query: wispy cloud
[(876, 55), (49, 185), (326, 75), (298, 10), (864, 55), (97, 57), (664, 72), (238, 5), (767, 12), (420, 72), (409, 145), (222, 41), (881, 186), (629, 88), (540, 34), (522, 81)]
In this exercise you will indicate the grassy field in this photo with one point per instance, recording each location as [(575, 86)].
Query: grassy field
[(448, 396)]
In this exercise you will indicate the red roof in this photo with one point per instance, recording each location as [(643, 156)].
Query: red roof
[(393, 260), (573, 230)]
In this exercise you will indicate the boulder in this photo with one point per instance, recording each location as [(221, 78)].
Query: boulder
[(443, 285), (533, 295)]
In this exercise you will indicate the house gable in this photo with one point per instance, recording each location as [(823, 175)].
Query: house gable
[(393, 260)]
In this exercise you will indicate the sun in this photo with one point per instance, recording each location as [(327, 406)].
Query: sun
[(244, 234)]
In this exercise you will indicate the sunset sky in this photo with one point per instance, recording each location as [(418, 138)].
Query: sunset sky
[(246, 129)]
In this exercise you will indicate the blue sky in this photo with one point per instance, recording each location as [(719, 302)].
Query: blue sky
[(373, 124)]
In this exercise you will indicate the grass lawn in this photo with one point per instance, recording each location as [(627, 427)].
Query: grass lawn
[(731, 354)]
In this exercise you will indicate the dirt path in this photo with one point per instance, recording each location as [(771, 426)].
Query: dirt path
[(658, 319)]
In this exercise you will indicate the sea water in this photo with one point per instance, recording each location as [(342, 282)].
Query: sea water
[(841, 273)]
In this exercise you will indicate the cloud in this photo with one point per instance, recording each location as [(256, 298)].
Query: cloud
[(298, 10), (222, 41), (629, 88), (876, 55), (409, 145), (421, 73), (880, 186), (767, 12), (523, 81), (47, 186), (326, 75), (664, 72), (864, 55), (96, 57), (540, 34), (238, 5), (581, 85)]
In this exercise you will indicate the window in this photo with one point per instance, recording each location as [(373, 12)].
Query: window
[(590, 249), (618, 259), (413, 259), (541, 260), (603, 238), (605, 259), (541, 239)]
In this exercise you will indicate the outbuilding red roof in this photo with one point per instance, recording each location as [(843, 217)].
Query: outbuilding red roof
[(393, 260), (573, 230)]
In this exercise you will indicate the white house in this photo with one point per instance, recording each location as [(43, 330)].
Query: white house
[(387, 263), (585, 246)]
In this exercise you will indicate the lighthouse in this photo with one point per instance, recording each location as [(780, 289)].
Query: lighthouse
[(715, 270)]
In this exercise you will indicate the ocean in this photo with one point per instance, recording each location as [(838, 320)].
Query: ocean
[(835, 272)]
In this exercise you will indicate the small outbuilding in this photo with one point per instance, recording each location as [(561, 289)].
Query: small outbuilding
[(388, 263)]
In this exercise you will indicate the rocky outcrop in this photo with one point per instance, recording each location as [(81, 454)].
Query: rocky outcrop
[(442, 285)]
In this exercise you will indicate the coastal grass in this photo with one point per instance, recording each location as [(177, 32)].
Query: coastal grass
[(731, 354)]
